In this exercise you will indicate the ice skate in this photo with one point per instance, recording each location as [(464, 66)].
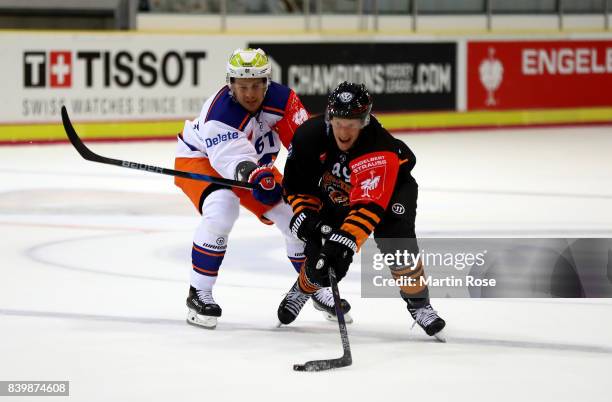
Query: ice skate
[(323, 300), (202, 309), (428, 319), (291, 305)]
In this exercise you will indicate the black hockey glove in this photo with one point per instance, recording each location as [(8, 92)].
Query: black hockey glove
[(267, 190), (306, 225), (337, 252)]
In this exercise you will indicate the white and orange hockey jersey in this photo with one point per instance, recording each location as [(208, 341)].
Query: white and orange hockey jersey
[(226, 134)]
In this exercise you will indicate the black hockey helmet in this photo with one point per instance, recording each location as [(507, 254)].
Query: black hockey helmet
[(350, 101)]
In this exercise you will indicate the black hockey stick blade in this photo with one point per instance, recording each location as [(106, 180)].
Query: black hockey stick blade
[(325, 364), (346, 359), (88, 154)]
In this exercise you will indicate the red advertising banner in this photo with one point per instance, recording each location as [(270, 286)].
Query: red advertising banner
[(539, 74)]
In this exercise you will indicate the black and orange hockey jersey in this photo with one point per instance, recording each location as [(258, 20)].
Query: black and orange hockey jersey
[(352, 189)]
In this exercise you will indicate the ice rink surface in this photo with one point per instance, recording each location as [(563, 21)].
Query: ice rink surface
[(95, 263)]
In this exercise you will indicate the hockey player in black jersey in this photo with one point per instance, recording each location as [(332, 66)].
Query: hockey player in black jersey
[(346, 171)]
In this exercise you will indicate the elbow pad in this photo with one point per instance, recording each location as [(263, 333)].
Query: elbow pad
[(244, 170)]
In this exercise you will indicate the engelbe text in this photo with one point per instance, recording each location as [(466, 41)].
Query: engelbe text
[(566, 61)]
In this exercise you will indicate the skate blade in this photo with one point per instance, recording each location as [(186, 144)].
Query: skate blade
[(332, 317), (441, 336), (204, 321)]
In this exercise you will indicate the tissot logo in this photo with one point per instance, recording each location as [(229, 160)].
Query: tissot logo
[(60, 69), (110, 68), (40, 68)]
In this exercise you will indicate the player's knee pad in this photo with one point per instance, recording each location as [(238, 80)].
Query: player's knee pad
[(220, 211), (281, 215)]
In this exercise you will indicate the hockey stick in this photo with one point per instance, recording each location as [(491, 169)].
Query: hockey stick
[(88, 154), (346, 359)]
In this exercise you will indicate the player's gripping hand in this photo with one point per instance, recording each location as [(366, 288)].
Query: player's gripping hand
[(267, 190), (337, 252), (306, 225)]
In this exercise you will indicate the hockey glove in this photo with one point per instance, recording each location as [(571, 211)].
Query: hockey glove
[(306, 225), (338, 252), (267, 190)]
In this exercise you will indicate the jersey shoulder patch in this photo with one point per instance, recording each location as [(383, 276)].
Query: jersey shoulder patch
[(226, 110), (276, 99), (373, 177)]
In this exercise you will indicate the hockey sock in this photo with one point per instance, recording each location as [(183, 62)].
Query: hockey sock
[(304, 284), (205, 263), (297, 262), (410, 277)]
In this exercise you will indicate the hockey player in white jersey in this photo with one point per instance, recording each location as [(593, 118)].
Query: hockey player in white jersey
[(237, 136)]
